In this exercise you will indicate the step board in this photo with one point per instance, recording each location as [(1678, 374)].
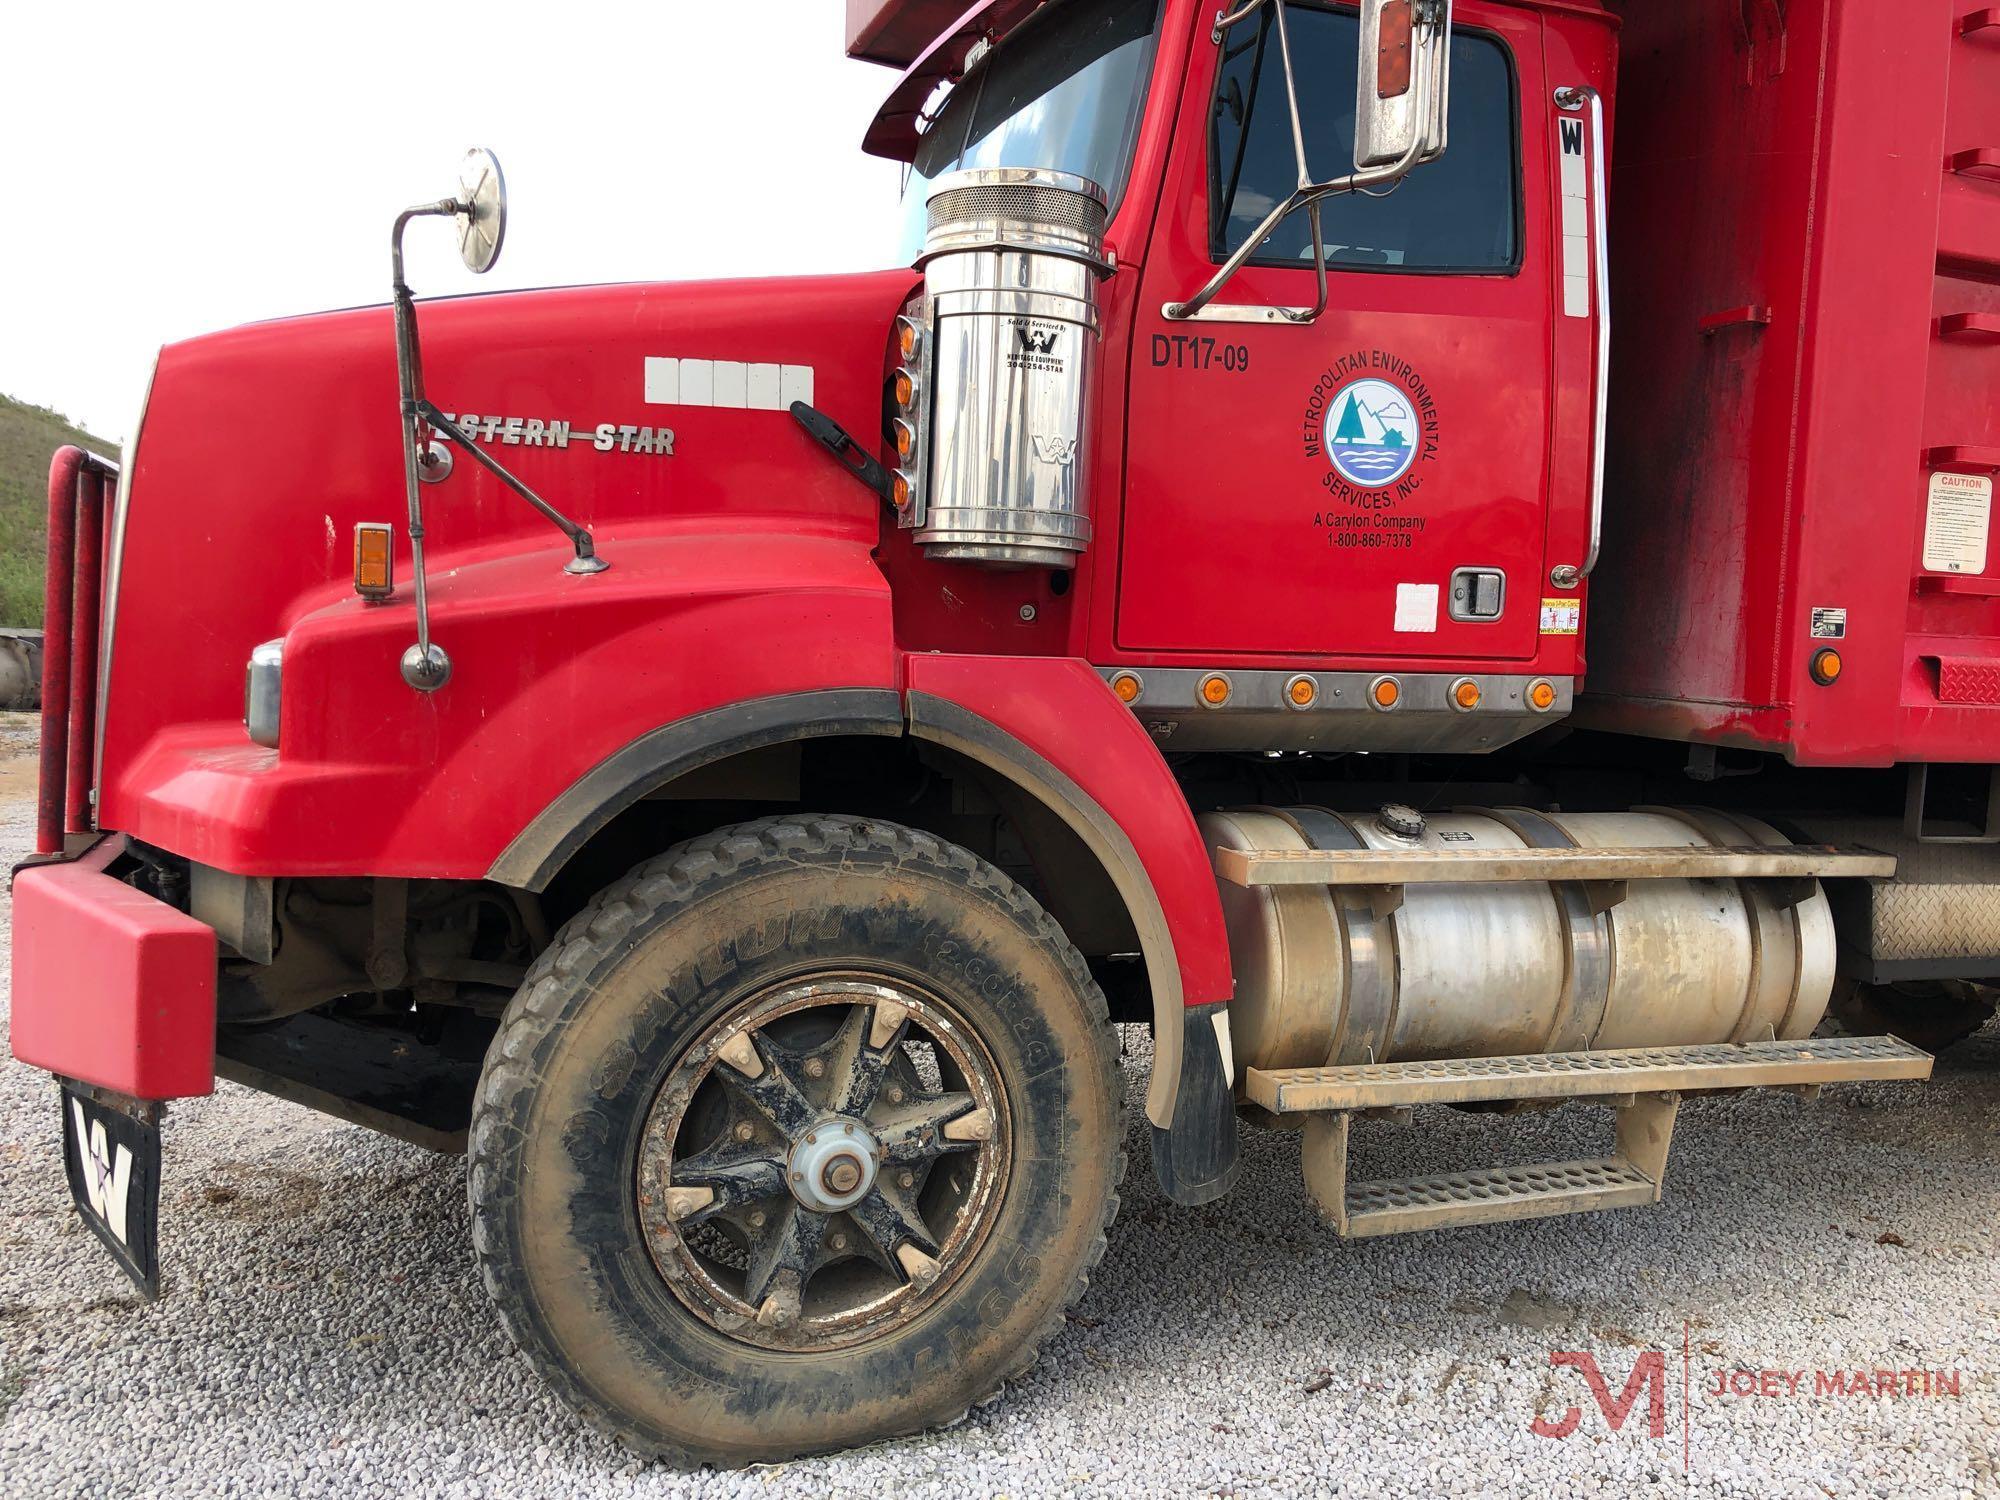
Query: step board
[(1450, 1199), (1381, 867), (1583, 1075), (1644, 1083)]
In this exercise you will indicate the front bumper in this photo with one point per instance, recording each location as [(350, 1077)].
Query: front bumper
[(111, 987)]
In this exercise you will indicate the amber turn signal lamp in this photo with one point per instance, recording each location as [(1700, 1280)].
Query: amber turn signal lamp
[(1215, 690), (1385, 692), (374, 561), (1465, 695), (1826, 667), (907, 338), (1126, 686), (1302, 692), (1541, 696)]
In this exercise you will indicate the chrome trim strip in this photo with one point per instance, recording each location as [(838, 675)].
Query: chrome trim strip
[(114, 570)]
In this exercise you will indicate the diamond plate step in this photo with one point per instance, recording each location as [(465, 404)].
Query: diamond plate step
[(1400, 1205), (1582, 1075)]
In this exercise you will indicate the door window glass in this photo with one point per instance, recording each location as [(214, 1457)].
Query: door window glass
[(1459, 213)]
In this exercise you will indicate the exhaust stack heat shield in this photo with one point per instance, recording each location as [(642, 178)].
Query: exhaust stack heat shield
[(1011, 263)]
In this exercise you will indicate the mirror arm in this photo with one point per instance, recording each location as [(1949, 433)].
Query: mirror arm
[(1226, 19), (586, 559), (1307, 195), (425, 667)]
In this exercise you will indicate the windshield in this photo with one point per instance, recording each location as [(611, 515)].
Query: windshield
[(1064, 92)]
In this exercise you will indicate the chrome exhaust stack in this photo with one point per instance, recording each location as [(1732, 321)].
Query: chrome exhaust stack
[(1011, 264)]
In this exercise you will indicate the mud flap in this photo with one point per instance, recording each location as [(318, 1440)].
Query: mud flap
[(111, 1152), (1195, 1157)]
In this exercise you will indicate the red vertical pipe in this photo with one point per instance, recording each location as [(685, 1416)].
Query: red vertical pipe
[(58, 596), (84, 619)]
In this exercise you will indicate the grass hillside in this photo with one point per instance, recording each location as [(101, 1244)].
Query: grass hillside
[(29, 437)]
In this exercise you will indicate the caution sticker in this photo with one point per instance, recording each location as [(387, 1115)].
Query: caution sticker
[(1955, 523), (1561, 616)]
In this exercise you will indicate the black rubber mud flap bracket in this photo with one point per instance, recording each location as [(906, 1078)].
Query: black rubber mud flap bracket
[(1195, 1157)]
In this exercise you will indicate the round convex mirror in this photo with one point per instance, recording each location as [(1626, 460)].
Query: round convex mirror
[(482, 210)]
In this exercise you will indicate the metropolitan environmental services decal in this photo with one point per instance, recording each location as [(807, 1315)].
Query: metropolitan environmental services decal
[(1372, 417)]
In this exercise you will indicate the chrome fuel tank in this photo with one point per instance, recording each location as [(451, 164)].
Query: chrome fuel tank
[(1326, 976)]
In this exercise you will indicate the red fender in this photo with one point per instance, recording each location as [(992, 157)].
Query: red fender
[(1052, 725)]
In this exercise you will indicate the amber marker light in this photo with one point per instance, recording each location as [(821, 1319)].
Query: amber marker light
[(1127, 687), (907, 338), (899, 490), (374, 561), (906, 389), (1215, 690), (906, 440), (1826, 667), (1465, 695), (1302, 692), (1385, 693), (1541, 696)]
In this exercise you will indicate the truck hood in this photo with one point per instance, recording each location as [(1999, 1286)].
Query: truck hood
[(643, 411)]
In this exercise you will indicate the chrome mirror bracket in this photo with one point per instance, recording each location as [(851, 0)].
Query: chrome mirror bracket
[(1431, 61)]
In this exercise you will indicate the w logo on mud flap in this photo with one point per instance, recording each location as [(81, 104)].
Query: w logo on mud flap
[(107, 1172)]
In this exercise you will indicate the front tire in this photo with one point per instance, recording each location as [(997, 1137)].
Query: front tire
[(801, 1136)]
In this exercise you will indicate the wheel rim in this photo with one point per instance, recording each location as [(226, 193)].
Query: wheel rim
[(823, 1163)]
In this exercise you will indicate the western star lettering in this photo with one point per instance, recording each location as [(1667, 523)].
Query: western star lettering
[(537, 432)]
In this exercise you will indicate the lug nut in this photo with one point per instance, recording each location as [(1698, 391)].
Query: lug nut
[(745, 1130), (837, 1242), (741, 1054), (688, 1200), (895, 1093), (756, 1218), (815, 1067), (906, 1179), (976, 1126), (919, 1267)]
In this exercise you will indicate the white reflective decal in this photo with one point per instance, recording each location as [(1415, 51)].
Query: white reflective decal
[(1570, 136), (726, 383)]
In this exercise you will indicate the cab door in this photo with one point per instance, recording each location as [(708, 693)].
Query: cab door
[(1326, 490)]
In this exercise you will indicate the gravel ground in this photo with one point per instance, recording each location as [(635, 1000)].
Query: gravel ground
[(325, 1335)]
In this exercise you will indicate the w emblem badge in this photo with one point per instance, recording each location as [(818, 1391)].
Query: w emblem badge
[(1038, 340), (1056, 450)]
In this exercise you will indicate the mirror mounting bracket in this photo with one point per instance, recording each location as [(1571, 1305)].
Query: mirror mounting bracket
[(1431, 59), (481, 211)]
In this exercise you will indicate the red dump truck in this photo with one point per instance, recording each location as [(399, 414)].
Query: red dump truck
[(1434, 553)]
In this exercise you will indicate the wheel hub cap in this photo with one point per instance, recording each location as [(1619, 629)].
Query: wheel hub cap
[(833, 1167)]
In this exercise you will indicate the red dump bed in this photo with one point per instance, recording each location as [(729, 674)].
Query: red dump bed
[(1805, 212)]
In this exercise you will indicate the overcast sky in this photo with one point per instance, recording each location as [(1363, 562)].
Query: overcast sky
[(171, 168)]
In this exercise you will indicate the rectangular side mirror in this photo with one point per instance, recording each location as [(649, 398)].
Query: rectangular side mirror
[(1402, 82)]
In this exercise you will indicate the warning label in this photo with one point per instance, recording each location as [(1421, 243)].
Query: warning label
[(1561, 616), (1956, 523)]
